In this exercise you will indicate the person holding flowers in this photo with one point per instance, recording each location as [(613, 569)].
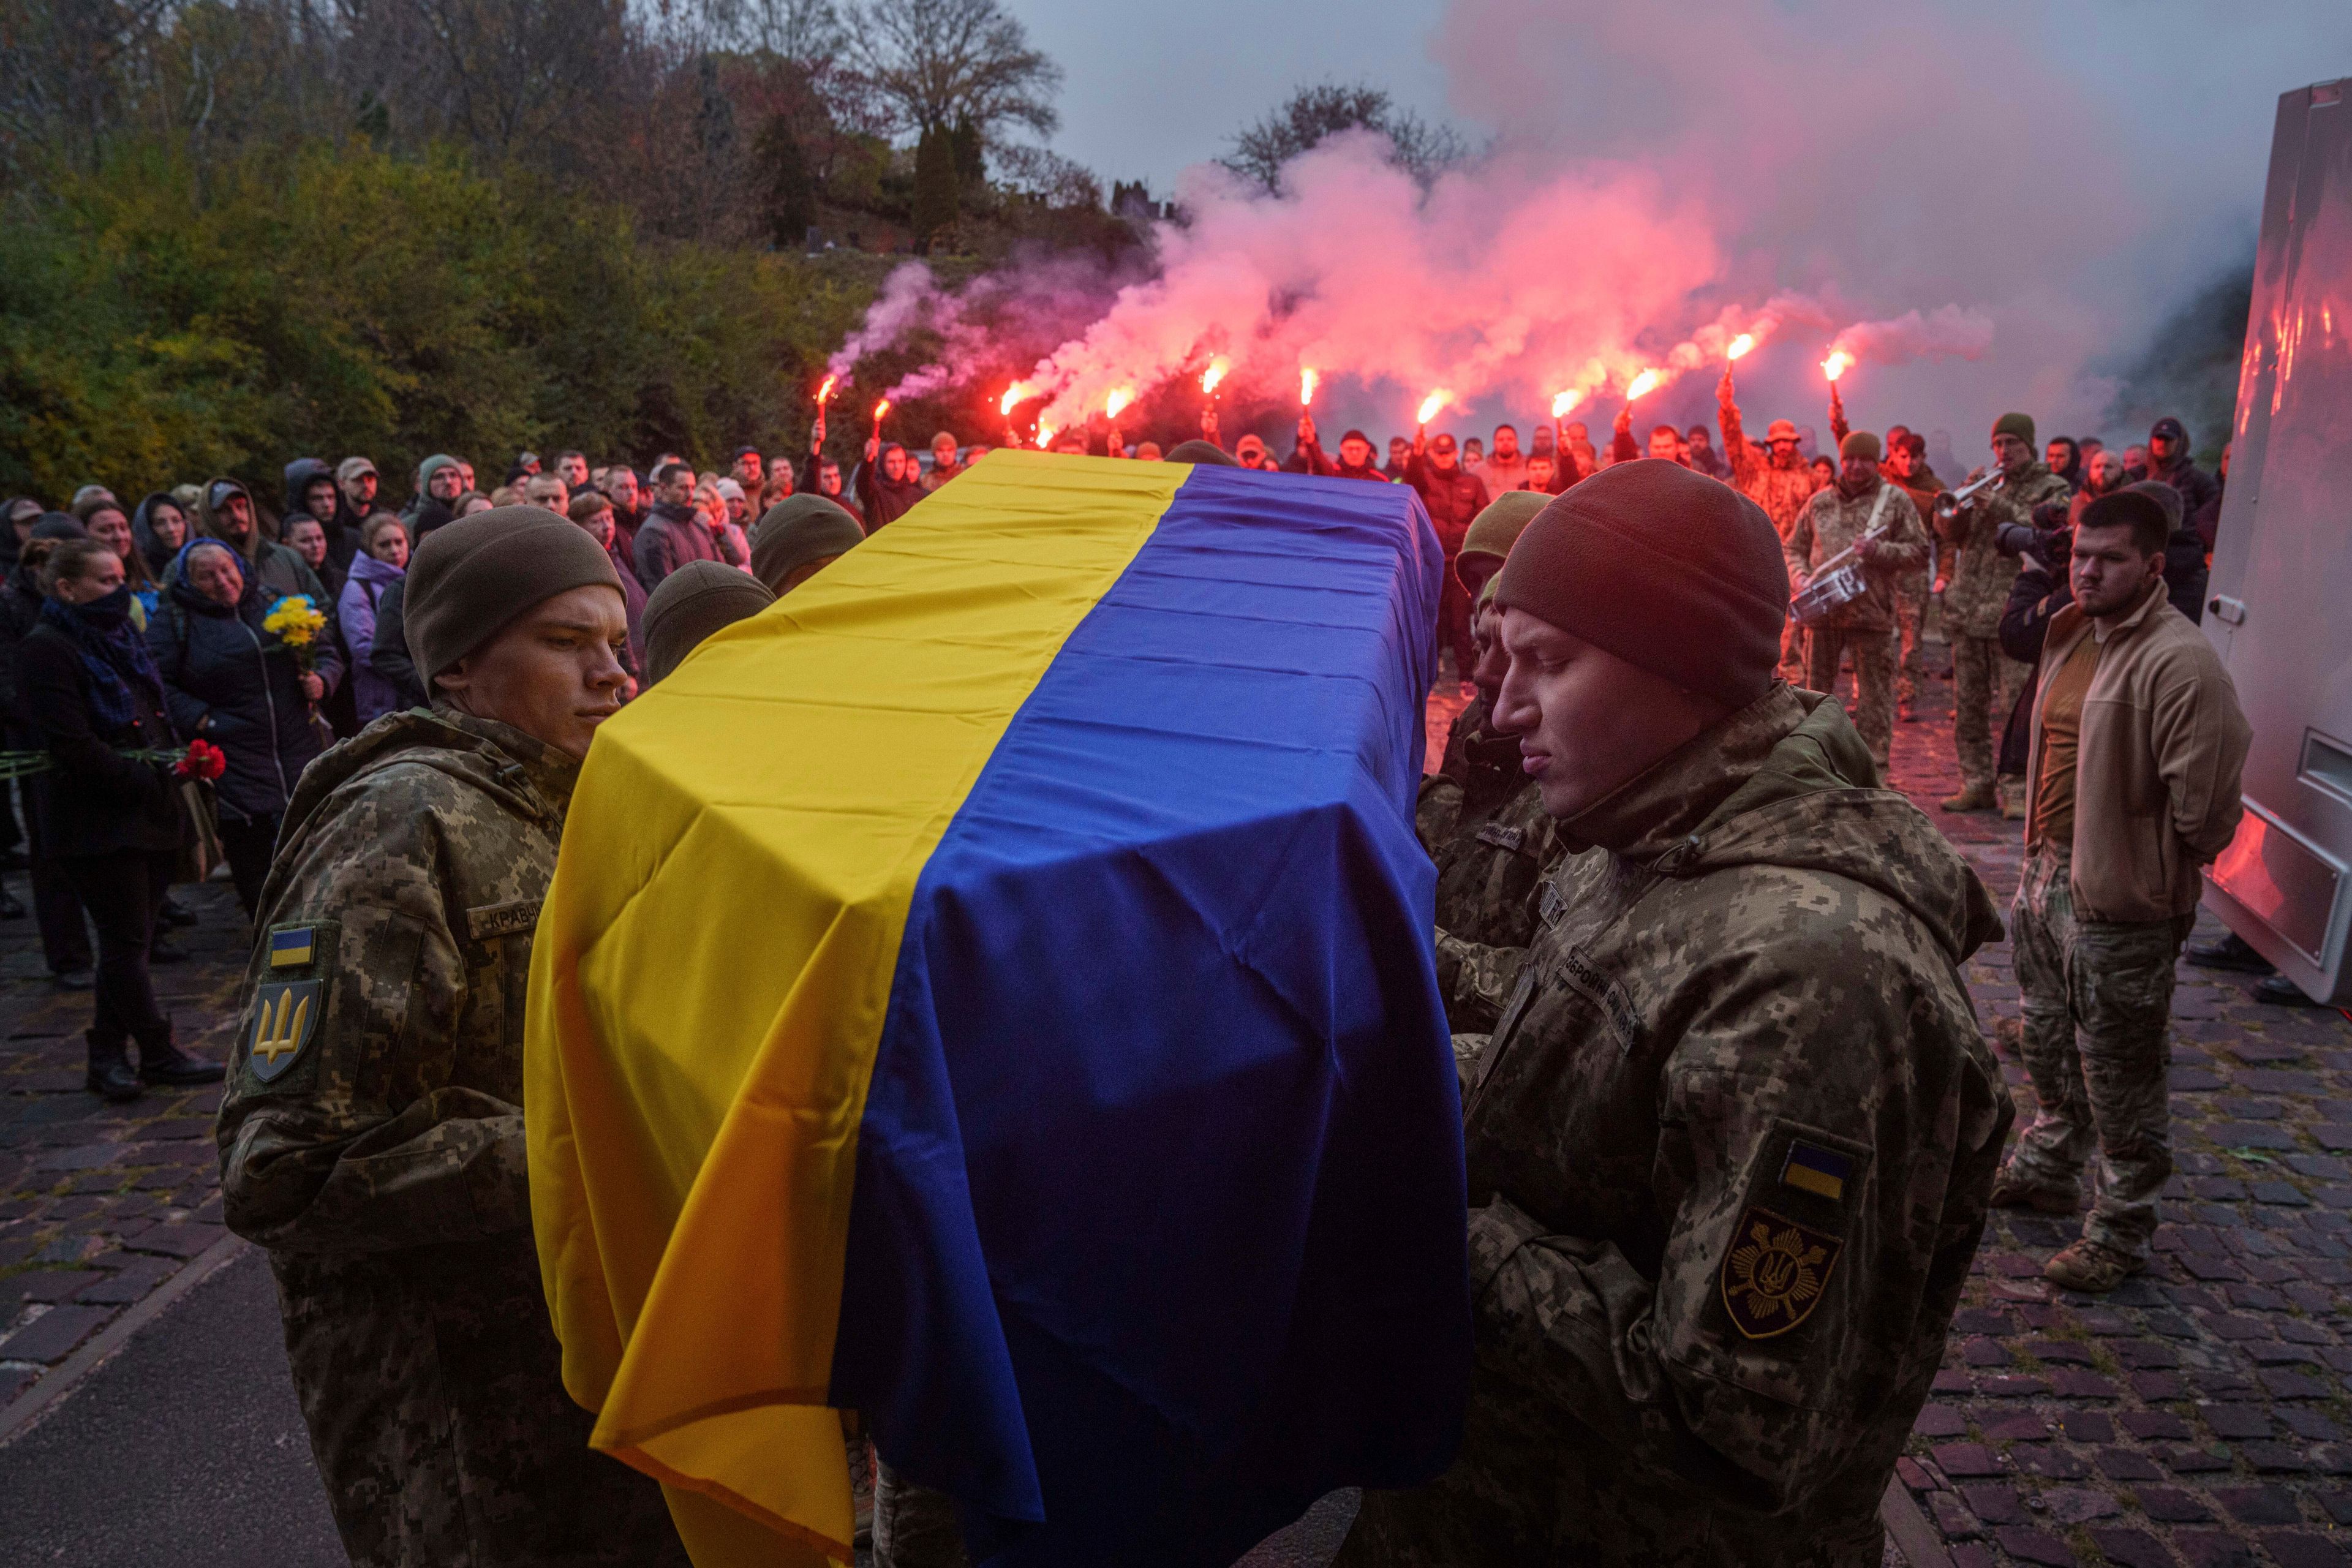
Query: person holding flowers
[(99, 708), (243, 669)]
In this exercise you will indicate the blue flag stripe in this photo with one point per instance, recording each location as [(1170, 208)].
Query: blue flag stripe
[(1195, 842)]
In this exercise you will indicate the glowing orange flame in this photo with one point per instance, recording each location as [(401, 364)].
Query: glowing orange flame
[(1643, 384), (880, 409), (1213, 374), (1835, 365), (1117, 401), (1563, 402), (826, 390), (1431, 405), (1013, 395), (1741, 345), (1044, 437), (1306, 381)]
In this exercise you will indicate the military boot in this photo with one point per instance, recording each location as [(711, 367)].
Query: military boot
[(109, 1076), (1972, 798), (2092, 1267), (162, 1062), (2011, 1191)]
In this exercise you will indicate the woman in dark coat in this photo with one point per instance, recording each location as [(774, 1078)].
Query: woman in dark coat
[(95, 695), (231, 681)]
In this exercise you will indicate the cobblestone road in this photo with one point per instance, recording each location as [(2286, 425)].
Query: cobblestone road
[(2199, 1415)]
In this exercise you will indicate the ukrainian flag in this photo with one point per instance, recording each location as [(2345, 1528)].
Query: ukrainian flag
[(991, 990)]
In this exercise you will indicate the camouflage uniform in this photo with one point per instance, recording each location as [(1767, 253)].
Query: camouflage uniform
[(2098, 1009), (371, 1138), (1489, 877), (1782, 492), (1831, 524), (1913, 588), (1729, 1154), (1985, 680)]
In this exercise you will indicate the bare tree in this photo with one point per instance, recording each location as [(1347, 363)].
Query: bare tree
[(1312, 114), (936, 62)]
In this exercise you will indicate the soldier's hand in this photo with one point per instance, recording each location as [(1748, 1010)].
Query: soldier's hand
[(1209, 423), (873, 447), (1723, 388)]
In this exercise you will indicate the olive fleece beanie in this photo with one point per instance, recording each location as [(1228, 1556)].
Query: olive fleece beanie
[(470, 577), (1663, 567), (698, 599), (2018, 424), (796, 531), (1494, 531)]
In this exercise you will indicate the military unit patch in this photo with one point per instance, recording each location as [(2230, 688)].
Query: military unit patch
[(284, 1020), (502, 919), (1810, 1168), (1501, 836), (1775, 1273), (290, 947)]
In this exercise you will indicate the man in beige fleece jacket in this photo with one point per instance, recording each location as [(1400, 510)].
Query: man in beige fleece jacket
[(2132, 788)]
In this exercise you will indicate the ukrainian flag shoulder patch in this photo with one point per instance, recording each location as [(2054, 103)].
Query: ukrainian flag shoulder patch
[(291, 946), (1810, 1168)]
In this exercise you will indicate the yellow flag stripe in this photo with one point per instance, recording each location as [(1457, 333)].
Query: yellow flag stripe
[(714, 961)]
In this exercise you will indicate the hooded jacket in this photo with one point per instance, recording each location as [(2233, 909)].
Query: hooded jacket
[(273, 565), (373, 695), (1728, 1151), (2198, 488), (99, 802), (229, 682), (157, 553), (885, 501), (383, 1162)]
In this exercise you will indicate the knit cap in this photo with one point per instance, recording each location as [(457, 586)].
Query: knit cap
[(796, 531), (1663, 567), (1860, 444), (1497, 528), (470, 578), (2018, 424), (698, 599)]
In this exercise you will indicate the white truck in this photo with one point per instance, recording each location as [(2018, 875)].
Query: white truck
[(2279, 604)]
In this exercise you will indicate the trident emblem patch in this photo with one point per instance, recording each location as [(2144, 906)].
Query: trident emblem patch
[(1775, 1273), (285, 1017)]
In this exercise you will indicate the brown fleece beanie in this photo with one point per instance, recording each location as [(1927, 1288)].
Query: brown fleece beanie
[(691, 603), (470, 577), (796, 531), (1663, 567), (1860, 444)]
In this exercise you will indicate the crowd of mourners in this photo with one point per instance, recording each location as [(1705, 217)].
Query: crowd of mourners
[(1654, 636)]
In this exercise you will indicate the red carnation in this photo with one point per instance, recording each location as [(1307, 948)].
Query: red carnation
[(204, 760)]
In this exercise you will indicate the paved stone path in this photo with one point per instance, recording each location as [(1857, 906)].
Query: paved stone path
[(2197, 1417), (101, 1205)]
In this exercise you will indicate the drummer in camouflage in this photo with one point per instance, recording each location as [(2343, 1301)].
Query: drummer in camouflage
[(372, 1136), (1730, 1144), (1863, 517)]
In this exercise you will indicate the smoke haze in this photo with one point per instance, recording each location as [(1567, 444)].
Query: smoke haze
[(1987, 206)]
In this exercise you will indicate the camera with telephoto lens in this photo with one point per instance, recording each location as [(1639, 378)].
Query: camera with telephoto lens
[(2048, 537)]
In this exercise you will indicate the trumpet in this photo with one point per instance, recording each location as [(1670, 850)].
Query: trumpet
[(1951, 503)]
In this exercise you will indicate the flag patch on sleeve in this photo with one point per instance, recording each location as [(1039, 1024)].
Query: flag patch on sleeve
[(288, 948), (1810, 1168)]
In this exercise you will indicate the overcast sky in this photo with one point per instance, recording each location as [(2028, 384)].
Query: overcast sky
[(1153, 89), (2073, 167)]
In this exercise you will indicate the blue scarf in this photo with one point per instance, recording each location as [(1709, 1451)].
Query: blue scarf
[(113, 652)]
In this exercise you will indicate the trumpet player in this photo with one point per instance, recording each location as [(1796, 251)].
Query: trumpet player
[(1985, 680), (1862, 513)]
